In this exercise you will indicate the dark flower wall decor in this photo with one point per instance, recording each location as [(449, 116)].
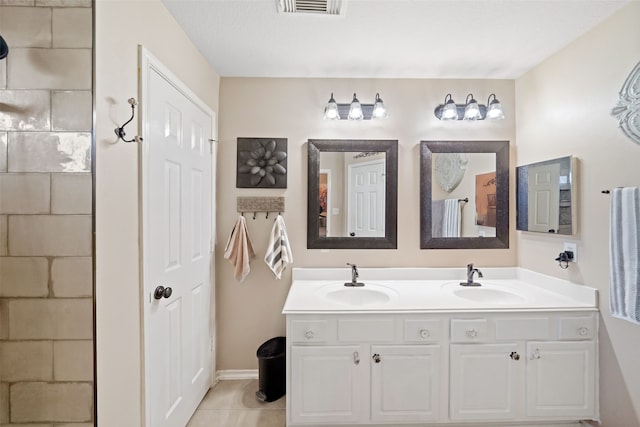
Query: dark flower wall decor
[(262, 163)]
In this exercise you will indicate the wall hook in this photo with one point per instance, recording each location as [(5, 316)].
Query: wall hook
[(120, 131)]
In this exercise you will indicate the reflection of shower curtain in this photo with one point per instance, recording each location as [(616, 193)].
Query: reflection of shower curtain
[(445, 218)]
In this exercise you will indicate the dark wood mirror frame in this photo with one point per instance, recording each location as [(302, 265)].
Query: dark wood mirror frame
[(501, 149), (390, 148)]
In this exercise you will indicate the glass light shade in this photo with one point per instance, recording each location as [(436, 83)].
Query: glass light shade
[(472, 110), (449, 109), (379, 110), (331, 110), (494, 110), (355, 110)]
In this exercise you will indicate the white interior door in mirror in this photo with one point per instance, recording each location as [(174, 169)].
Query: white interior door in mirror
[(366, 192), (544, 197)]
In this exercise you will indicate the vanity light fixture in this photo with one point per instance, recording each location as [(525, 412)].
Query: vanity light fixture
[(355, 110), (470, 110)]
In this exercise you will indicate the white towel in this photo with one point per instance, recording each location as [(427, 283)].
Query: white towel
[(239, 250), (278, 252), (624, 245), (451, 218)]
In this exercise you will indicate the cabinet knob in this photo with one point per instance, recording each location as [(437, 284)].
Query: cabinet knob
[(583, 331), (514, 355), (424, 333), (309, 334), (376, 358), (356, 358), (536, 354), (472, 333)]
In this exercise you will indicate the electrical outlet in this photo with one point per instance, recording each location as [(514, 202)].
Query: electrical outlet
[(573, 247)]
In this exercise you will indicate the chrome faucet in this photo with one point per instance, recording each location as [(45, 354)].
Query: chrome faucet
[(470, 273), (354, 276)]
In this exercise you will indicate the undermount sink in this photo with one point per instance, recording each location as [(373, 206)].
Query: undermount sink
[(490, 295), (368, 294)]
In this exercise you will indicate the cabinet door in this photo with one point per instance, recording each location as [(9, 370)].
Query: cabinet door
[(405, 383), (561, 379), (486, 381), (328, 384)]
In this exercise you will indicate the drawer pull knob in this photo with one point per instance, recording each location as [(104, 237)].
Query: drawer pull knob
[(376, 358), (514, 355), (309, 334), (356, 358), (424, 333), (536, 354), (583, 331), (472, 333)]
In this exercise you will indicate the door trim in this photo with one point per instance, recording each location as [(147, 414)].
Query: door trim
[(147, 62)]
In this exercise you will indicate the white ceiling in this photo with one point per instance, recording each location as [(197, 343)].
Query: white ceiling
[(387, 38)]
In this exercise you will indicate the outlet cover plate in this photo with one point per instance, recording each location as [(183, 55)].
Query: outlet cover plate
[(573, 247)]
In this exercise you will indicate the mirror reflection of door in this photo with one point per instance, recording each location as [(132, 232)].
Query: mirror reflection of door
[(544, 197), (366, 204), (325, 203)]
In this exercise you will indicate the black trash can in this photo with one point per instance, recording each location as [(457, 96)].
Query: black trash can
[(272, 369)]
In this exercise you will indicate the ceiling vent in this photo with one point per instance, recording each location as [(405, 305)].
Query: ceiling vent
[(322, 7)]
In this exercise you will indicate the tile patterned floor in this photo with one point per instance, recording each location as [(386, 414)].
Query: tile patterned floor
[(233, 403)]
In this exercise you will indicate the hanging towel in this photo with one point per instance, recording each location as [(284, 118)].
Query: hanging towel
[(278, 252), (624, 245), (239, 250), (437, 214), (451, 218)]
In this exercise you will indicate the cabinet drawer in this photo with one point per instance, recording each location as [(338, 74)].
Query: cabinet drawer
[(469, 330), (422, 330), (577, 328), (523, 328), (366, 330), (309, 330)]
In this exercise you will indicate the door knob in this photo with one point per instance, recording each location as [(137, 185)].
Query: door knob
[(162, 292)]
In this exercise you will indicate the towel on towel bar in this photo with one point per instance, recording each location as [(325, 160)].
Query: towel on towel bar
[(239, 250), (451, 218), (624, 245), (278, 252)]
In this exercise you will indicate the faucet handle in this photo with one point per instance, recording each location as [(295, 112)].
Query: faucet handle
[(352, 265)]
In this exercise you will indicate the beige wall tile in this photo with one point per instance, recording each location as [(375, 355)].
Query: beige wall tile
[(49, 152), (3, 235), (17, 2), (25, 110), (50, 318), (71, 193), (64, 3), (72, 277), (3, 151), (44, 235), (26, 26), (34, 402), (24, 277), (4, 403), (26, 361), (25, 193), (3, 74), (31, 68), (72, 27), (73, 360), (4, 319), (74, 425), (71, 110)]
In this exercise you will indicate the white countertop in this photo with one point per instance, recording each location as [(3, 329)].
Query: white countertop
[(435, 290)]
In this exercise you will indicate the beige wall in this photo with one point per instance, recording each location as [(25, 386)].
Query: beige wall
[(580, 85), (120, 27), (249, 313), (46, 314)]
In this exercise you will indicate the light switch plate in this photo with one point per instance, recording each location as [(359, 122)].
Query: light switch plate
[(573, 247)]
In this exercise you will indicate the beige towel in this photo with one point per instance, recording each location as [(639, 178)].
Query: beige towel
[(239, 250)]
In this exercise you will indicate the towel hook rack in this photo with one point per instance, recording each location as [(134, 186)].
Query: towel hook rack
[(120, 130)]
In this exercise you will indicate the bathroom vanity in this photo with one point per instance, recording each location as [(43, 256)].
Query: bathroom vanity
[(414, 347)]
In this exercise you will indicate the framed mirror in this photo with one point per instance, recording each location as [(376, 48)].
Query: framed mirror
[(464, 194), (546, 196), (352, 194)]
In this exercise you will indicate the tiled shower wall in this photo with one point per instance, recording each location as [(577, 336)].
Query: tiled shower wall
[(46, 309)]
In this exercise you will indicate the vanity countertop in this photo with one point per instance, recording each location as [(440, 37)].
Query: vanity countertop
[(406, 290)]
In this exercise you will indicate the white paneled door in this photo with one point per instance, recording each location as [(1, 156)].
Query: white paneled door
[(366, 206), (177, 246)]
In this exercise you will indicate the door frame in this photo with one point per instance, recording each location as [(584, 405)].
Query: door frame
[(146, 62)]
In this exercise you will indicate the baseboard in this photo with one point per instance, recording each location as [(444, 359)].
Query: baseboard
[(237, 374)]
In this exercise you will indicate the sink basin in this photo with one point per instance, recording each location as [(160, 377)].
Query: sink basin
[(489, 295), (366, 295)]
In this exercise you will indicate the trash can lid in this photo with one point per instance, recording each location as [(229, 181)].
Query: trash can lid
[(271, 348)]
